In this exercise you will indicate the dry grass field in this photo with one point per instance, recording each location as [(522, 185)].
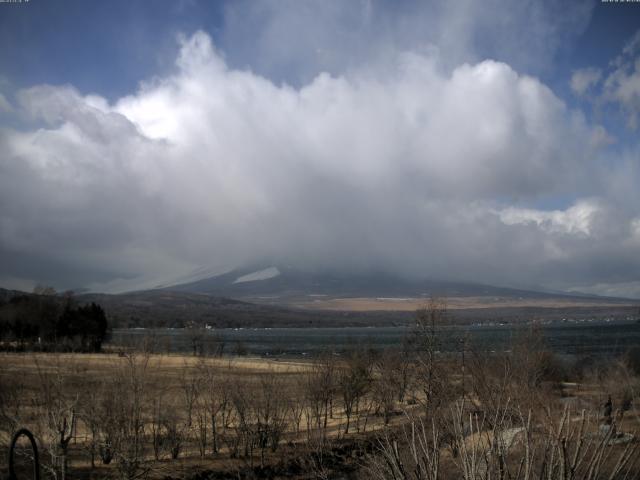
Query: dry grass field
[(261, 408), (411, 304), (368, 414)]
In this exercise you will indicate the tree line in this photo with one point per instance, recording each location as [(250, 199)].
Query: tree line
[(47, 321)]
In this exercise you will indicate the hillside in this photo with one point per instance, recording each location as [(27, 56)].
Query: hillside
[(295, 299), (286, 282), (158, 308)]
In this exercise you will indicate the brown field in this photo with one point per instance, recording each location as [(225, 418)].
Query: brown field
[(454, 303), (170, 377), (252, 417)]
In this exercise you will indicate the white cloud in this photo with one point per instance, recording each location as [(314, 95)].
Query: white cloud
[(5, 106), (622, 85), (584, 79), (622, 289), (634, 228), (416, 169), (575, 220), (335, 36), (618, 84)]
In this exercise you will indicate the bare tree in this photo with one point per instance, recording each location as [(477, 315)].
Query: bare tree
[(353, 378), (561, 448), (12, 400), (431, 375), (385, 385), (190, 386), (614, 380), (395, 365), (197, 338), (156, 425), (90, 415), (270, 413), (175, 433), (211, 406), (297, 407), (491, 377), (418, 460), (319, 388), (202, 420), (130, 391), (60, 407), (515, 376)]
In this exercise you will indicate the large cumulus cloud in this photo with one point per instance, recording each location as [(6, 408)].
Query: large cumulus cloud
[(417, 169)]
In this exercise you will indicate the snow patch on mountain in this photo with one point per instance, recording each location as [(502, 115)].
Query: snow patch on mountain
[(264, 274), (153, 282)]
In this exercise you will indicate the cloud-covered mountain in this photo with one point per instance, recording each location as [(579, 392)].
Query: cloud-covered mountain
[(429, 159), (282, 284)]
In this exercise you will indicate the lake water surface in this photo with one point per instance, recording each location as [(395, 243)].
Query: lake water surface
[(571, 338)]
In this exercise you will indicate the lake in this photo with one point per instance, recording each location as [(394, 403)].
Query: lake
[(586, 337)]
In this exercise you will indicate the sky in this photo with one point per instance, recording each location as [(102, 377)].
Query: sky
[(493, 142)]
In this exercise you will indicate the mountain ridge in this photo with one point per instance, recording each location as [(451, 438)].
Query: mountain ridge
[(162, 309), (290, 282)]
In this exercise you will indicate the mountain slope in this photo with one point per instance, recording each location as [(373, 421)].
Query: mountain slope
[(286, 282), (160, 308)]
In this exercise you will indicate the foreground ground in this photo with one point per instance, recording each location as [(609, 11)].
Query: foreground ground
[(180, 397), (134, 414)]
